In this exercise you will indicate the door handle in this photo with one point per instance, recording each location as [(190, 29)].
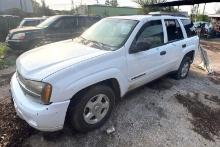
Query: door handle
[(163, 53), (184, 46)]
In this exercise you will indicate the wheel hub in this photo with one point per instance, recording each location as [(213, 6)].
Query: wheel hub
[(96, 109)]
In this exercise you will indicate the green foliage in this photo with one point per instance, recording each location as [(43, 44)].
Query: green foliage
[(2, 64), (113, 3), (107, 3), (41, 10), (199, 17), (146, 10), (3, 49), (7, 56)]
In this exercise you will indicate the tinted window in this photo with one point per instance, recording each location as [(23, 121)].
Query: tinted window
[(69, 23), (58, 24), (48, 22), (30, 22), (188, 25), (64, 24), (174, 31), (151, 34), (84, 22)]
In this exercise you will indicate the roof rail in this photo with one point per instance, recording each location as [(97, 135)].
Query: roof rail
[(180, 14)]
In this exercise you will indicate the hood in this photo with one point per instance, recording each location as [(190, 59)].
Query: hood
[(24, 29), (41, 62)]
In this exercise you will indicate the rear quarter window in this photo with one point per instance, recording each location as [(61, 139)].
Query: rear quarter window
[(189, 27)]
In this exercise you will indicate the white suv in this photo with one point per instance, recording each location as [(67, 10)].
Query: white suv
[(80, 80)]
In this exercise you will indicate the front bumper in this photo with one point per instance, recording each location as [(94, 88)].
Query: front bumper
[(18, 44), (41, 117)]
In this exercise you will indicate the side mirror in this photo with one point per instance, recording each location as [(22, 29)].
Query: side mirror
[(139, 47)]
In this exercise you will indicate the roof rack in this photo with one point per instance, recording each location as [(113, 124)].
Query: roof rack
[(180, 14)]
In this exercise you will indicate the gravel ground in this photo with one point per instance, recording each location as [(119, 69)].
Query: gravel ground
[(165, 112)]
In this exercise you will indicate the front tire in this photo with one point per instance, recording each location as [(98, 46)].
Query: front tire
[(183, 70), (93, 108)]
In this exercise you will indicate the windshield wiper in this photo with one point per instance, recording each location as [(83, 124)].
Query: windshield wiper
[(100, 45)]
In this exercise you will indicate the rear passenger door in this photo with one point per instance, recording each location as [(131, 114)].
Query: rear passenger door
[(191, 40), (174, 44)]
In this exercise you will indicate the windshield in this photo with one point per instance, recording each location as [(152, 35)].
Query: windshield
[(110, 32), (47, 22)]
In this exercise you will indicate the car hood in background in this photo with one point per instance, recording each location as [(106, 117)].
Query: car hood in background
[(43, 61), (24, 29)]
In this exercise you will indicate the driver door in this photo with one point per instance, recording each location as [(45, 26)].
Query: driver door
[(146, 64)]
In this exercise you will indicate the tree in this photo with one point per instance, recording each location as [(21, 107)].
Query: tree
[(114, 3), (107, 3), (218, 11), (43, 9), (146, 10)]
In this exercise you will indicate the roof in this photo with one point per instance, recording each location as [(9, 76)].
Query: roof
[(141, 17), (132, 17), (181, 2), (34, 18), (214, 15)]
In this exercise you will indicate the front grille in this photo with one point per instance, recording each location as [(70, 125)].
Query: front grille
[(20, 78)]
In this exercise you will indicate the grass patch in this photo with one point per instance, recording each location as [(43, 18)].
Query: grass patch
[(7, 56), (3, 49)]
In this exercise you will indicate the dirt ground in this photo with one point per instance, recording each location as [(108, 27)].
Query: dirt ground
[(165, 112)]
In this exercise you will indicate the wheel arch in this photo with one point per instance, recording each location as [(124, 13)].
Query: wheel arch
[(190, 54), (111, 82)]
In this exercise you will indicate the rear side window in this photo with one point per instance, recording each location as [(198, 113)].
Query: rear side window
[(188, 25), (174, 31)]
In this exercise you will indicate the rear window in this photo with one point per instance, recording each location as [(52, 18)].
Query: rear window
[(188, 25), (30, 22)]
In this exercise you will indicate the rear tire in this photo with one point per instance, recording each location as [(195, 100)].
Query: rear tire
[(183, 70), (93, 108)]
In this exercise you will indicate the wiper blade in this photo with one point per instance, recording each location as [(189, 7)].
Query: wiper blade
[(97, 43), (101, 45)]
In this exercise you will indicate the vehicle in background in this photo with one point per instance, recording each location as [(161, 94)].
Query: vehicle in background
[(7, 22), (27, 22), (215, 21), (79, 80), (53, 29), (205, 29)]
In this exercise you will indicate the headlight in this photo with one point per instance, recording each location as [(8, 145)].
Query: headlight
[(38, 89), (18, 36)]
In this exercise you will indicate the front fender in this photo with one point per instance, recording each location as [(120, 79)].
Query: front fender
[(71, 89)]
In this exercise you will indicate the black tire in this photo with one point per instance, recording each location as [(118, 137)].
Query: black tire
[(179, 74), (77, 111)]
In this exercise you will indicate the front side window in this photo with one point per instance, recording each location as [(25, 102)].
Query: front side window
[(48, 22), (174, 31), (189, 27), (69, 23), (111, 32), (151, 35)]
